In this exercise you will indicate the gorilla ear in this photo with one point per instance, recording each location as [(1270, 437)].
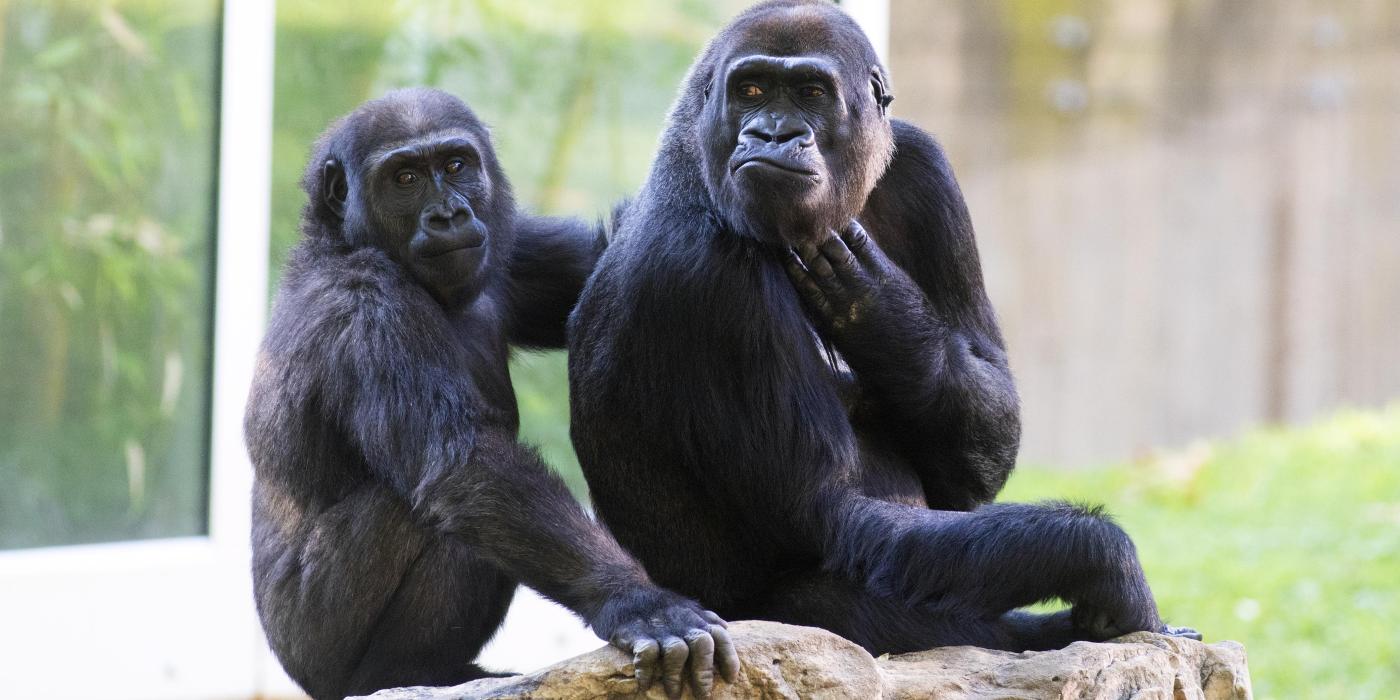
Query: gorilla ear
[(879, 84), (334, 189)]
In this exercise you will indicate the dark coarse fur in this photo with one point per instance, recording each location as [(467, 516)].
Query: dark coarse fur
[(393, 510), (781, 461)]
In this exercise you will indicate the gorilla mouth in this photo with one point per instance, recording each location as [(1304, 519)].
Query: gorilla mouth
[(783, 164), (448, 247)]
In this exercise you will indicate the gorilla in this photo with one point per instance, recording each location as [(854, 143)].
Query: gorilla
[(394, 512), (790, 396)]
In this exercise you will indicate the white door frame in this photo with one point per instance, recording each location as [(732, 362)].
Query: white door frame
[(173, 618), (874, 17)]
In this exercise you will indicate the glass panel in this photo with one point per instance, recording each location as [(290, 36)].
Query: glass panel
[(575, 90), (108, 129)]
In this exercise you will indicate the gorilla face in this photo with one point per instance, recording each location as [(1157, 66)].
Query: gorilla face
[(419, 196), (417, 182), (793, 142)]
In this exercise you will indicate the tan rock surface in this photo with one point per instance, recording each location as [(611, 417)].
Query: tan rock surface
[(783, 661)]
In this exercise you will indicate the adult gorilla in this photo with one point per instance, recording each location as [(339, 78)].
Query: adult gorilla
[(799, 438), (394, 511)]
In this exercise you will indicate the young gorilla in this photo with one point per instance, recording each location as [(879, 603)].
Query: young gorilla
[(394, 511), (793, 424)]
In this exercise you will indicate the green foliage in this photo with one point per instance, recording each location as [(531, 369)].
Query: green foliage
[(1287, 541), (107, 117)]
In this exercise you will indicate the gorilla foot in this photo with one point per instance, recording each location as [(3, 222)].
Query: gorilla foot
[(1186, 632)]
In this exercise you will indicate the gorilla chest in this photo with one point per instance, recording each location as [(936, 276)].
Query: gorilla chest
[(833, 364), (485, 360)]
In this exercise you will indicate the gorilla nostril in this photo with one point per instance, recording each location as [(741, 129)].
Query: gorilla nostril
[(442, 219), (801, 136), (758, 135)]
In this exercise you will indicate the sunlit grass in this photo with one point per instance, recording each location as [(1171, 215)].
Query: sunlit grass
[(1285, 540)]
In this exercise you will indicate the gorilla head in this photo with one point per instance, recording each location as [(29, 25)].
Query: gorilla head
[(793, 140), (413, 173)]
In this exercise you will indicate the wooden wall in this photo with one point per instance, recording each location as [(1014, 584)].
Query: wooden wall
[(1188, 210)]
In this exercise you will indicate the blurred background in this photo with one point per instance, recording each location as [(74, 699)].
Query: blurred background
[(1188, 213)]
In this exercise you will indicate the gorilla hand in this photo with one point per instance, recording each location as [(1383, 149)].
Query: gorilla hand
[(844, 279), (662, 631)]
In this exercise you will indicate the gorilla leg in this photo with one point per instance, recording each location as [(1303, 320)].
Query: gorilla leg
[(448, 606), (1005, 556), (884, 625), (363, 598)]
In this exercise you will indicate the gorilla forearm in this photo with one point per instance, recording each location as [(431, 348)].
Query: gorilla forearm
[(509, 506), (950, 408), (941, 393)]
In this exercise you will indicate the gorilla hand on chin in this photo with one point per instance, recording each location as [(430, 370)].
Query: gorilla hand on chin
[(842, 279)]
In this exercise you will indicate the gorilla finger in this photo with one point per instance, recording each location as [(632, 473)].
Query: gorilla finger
[(822, 271), (713, 619), (806, 286), (673, 655), (793, 264), (840, 257), (726, 655), (702, 662), (645, 655), (859, 242)]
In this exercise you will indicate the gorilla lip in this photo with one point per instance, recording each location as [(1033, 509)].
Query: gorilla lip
[(437, 252), (780, 164)]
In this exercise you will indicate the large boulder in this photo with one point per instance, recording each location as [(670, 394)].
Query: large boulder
[(784, 661)]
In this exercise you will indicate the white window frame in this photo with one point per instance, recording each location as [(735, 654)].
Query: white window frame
[(173, 618)]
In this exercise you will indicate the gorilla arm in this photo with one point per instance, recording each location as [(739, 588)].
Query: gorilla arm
[(395, 388), (551, 259), (912, 319)]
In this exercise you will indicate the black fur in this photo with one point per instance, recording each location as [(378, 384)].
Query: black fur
[(791, 424), (394, 511)]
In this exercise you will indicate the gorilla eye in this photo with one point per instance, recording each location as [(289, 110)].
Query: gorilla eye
[(406, 177), (812, 91), (750, 90), (455, 166)]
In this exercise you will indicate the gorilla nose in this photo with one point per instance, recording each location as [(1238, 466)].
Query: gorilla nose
[(778, 132), (442, 219)]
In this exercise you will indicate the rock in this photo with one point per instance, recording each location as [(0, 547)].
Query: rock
[(1142, 666), (784, 661)]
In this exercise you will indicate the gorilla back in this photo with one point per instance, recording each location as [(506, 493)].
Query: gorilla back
[(393, 510), (792, 419)]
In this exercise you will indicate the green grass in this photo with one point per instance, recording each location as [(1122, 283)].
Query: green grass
[(1285, 540)]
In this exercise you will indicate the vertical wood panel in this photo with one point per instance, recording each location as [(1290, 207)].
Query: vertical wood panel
[(1188, 210)]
